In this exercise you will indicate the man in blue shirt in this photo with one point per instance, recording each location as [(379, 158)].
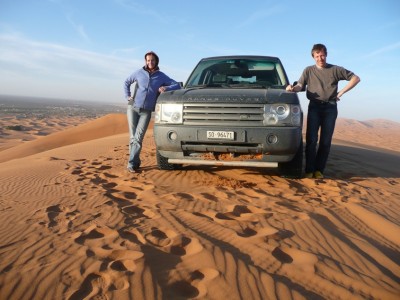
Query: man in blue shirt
[(149, 83)]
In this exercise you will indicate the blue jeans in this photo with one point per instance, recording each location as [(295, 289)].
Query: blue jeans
[(138, 121), (320, 115)]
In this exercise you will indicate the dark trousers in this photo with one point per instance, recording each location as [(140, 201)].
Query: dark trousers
[(321, 115)]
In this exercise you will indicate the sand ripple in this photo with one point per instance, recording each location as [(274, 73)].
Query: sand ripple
[(76, 225)]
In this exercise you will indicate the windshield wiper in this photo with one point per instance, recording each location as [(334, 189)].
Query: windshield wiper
[(207, 85)]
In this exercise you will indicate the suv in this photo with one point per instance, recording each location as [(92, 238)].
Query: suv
[(232, 111)]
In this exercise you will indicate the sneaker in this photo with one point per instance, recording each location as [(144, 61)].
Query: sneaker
[(318, 175), (131, 170), (308, 175)]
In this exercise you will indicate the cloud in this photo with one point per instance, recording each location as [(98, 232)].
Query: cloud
[(78, 28), (21, 55), (382, 50), (141, 9), (126, 51), (29, 67), (260, 14), (18, 54)]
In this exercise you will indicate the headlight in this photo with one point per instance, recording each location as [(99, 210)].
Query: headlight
[(282, 114), (169, 113)]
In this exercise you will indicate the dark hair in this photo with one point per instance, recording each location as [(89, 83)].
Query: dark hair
[(318, 48), (154, 54)]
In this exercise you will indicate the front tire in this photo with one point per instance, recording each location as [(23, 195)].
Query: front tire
[(293, 168), (163, 163)]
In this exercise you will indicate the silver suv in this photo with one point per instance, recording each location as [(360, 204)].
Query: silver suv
[(232, 111)]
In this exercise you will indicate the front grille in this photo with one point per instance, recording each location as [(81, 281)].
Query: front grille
[(223, 114)]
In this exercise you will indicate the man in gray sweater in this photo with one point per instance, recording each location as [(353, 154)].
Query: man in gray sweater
[(321, 84)]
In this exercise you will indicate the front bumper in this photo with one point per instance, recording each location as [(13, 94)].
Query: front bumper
[(265, 144)]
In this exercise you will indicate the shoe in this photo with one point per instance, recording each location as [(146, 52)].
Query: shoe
[(131, 170), (318, 175), (308, 175)]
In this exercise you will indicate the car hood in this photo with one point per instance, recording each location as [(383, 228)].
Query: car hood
[(231, 95)]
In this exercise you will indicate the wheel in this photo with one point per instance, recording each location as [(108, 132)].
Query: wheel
[(163, 163), (293, 168)]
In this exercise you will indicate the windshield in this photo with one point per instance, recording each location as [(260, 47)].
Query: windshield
[(243, 72)]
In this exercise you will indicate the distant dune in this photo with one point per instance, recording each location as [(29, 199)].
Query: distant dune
[(76, 225), (105, 126), (381, 134)]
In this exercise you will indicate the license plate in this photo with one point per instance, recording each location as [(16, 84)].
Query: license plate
[(221, 135)]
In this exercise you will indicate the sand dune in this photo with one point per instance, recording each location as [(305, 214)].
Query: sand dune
[(76, 225), (105, 126), (382, 134)]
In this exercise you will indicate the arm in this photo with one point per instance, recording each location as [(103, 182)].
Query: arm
[(170, 85), (296, 88), (352, 83), (300, 84), (127, 86)]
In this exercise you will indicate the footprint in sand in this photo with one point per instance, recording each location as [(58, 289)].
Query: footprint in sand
[(108, 175), (241, 213), (279, 235), (86, 169), (183, 289), (124, 260), (116, 263), (56, 158), (94, 286), (196, 285), (98, 165), (173, 243), (245, 218), (201, 278), (282, 256), (137, 212), (93, 234), (56, 218), (298, 259), (264, 232), (292, 211), (77, 171)]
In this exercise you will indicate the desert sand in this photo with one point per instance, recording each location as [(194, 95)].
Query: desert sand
[(76, 225)]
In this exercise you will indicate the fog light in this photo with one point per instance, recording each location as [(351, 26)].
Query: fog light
[(272, 139), (172, 135), (296, 120), (270, 119)]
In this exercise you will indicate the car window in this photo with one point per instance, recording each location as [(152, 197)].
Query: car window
[(242, 72)]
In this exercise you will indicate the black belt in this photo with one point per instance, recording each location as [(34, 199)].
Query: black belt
[(324, 102)]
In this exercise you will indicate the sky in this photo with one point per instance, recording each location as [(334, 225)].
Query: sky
[(85, 49)]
